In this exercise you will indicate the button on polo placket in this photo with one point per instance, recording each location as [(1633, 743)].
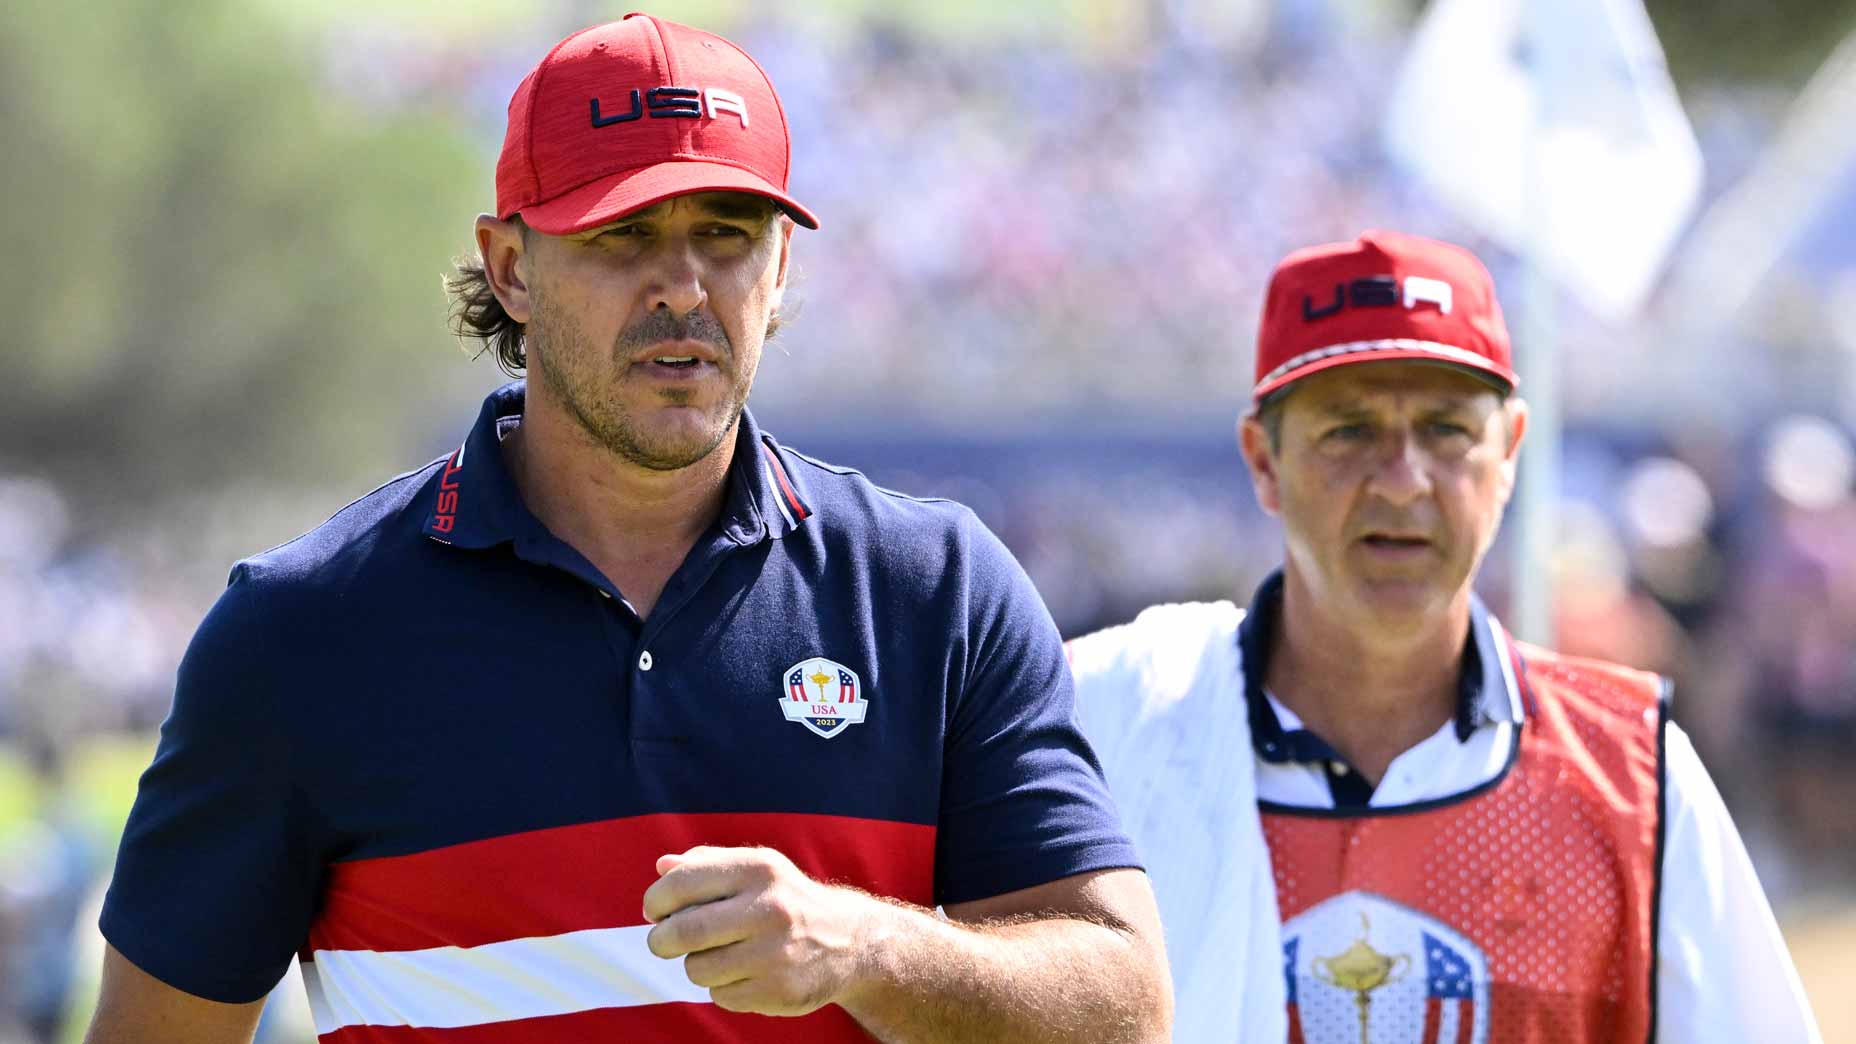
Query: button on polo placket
[(618, 622), (684, 585), (620, 626), (552, 553)]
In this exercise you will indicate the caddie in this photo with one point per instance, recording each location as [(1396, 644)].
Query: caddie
[(624, 721), (1372, 815)]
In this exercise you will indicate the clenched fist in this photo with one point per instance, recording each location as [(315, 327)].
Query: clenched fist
[(757, 932)]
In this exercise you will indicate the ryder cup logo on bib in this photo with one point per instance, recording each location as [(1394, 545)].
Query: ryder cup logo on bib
[(823, 695), (1361, 967)]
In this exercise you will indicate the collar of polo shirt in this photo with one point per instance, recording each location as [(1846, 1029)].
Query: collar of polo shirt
[(476, 503), (1485, 694)]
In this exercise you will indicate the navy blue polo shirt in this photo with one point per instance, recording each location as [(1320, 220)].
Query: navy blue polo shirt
[(428, 727)]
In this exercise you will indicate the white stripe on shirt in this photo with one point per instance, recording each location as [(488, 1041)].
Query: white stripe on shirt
[(778, 500), (449, 986)]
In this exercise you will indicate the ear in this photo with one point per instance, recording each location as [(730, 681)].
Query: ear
[(1514, 418), (786, 254), (502, 248), (1253, 441)]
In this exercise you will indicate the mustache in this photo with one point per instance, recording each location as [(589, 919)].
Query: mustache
[(662, 325)]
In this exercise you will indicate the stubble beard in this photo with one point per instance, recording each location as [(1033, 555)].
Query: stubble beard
[(562, 355)]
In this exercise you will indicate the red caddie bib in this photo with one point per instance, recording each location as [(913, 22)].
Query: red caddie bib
[(1522, 912)]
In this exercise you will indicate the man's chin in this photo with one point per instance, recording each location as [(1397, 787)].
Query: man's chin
[(1401, 603), (671, 440)]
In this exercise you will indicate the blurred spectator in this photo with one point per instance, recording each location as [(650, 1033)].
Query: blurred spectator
[(46, 869)]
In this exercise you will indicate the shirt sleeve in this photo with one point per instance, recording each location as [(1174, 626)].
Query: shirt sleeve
[(214, 890), (1023, 801), (1723, 972)]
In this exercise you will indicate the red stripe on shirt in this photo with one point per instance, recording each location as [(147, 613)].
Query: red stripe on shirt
[(670, 1023), (800, 511), (592, 875)]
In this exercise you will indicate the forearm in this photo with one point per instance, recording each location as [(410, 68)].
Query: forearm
[(1055, 979)]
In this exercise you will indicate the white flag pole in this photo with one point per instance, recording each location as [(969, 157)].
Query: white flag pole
[(1536, 504), (1535, 512)]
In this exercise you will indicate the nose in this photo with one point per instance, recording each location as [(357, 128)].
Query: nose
[(677, 282), (1401, 471)]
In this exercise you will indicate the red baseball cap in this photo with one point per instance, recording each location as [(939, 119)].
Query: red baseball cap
[(628, 114), (1384, 296)]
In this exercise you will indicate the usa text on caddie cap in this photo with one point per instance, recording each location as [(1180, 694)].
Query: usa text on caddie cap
[(1384, 296), (627, 114)]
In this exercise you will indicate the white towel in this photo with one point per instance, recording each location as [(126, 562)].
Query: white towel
[(1162, 700)]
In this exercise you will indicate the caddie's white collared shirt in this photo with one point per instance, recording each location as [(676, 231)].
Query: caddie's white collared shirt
[(1164, 701)]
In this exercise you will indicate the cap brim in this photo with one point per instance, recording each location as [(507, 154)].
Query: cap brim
[(616, 195), (1459, 359)]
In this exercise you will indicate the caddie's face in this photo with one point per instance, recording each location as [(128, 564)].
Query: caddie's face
[(1390, 480), (649, 329)]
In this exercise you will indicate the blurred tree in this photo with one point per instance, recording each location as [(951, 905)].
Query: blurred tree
[(1781, 41), (1750, 41), (216, 262)]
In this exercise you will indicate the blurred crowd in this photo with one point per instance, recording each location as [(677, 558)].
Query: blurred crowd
[(1034, 292)]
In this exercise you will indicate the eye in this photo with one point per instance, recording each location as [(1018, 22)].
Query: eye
[(1347, 432), (624, 231), (726, 231), (1448, 429)]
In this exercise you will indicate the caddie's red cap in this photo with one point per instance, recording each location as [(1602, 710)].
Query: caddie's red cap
[(1384, 296), (627, 114)]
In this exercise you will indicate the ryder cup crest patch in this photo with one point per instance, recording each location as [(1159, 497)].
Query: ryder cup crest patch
[(823, 695), (1360, 966)]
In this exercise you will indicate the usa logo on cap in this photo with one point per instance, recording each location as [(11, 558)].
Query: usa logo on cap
[(628, 114), (1384, 296), (823, 695)]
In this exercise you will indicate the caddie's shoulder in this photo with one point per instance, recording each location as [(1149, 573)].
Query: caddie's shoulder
[(1191, 618), (1158, 654), (1614, 687)]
